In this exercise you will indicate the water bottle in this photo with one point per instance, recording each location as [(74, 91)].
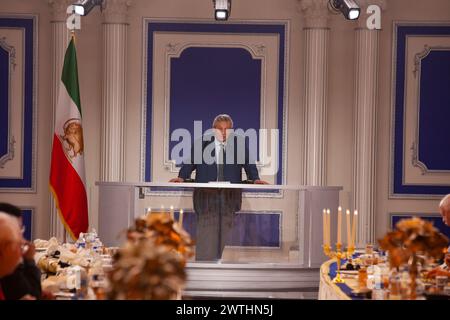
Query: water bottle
[(81, 241), (81, 282), (377, 291)]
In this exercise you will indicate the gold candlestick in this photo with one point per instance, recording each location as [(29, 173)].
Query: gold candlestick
[(350, 251), (338, 254)]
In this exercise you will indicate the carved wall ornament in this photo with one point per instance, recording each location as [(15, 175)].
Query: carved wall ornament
[(415, 159), (115, 11), (315, 12), (11, 50), (172, 47), (10, 155)]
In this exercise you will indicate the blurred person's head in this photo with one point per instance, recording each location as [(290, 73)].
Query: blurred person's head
[(10, 244), (444, 208), (11, 210)]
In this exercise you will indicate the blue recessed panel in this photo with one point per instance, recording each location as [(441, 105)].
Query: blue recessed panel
[(400, 188), (189, 222), (27, 221), (434, 115), (249, 229), (4, 98), (209, 81), (256, 230)]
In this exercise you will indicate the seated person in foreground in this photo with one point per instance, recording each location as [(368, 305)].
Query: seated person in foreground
[(25, 281), (10, 247), (444, 269)]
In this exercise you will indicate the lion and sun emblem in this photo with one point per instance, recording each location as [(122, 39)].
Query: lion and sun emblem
[(73, 138)]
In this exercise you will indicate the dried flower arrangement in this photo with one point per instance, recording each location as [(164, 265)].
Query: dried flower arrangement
[(151, 265), (164, 231), (143, 271), (412, 237)]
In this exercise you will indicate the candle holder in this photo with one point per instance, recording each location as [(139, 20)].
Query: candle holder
[(338, 254), (350, 251)]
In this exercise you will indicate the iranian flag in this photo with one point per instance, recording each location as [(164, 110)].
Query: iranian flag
[(67, 178)]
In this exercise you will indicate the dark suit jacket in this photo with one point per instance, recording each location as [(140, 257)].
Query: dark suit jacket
[(26, 279), (232, 171)]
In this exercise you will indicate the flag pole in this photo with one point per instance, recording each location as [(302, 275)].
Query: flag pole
[(72, 37)]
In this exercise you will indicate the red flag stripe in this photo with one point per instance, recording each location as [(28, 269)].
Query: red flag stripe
[(69, 192)]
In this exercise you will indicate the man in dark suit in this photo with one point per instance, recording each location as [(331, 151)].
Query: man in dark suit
[(215, 207)]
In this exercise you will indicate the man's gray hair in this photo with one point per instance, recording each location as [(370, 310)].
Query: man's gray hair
[(222, 117), (445, 203)]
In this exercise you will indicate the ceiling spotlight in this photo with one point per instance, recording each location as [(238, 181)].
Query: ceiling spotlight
[(222, 9), (348, 8), (83, 7)]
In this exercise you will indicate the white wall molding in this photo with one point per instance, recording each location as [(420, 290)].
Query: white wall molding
[(365, 124), (113, 119), (316, 74), (60, 41)]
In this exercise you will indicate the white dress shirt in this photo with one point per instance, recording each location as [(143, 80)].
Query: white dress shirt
[(218, 146)]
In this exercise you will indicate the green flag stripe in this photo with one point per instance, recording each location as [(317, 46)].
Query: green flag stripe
[(70, 74)]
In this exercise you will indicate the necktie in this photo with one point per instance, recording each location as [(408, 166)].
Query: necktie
[(221, 162)]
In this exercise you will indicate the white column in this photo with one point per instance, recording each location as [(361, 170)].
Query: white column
[(60, 41), (366, 81), (316, 60), (112, 156)]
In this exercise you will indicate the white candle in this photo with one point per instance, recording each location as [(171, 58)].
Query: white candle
[(349, 240), (149, 211), (339, 225), (180, 219), (324, 227), (328, 227), (354, 225), (172, 216)]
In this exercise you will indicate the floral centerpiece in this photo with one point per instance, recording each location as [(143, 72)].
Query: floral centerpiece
[(412, 237), (151, 265), (143, 271)]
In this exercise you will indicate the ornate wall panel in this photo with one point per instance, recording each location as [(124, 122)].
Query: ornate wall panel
[(194, 71), (421, 86), (18, 103)]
